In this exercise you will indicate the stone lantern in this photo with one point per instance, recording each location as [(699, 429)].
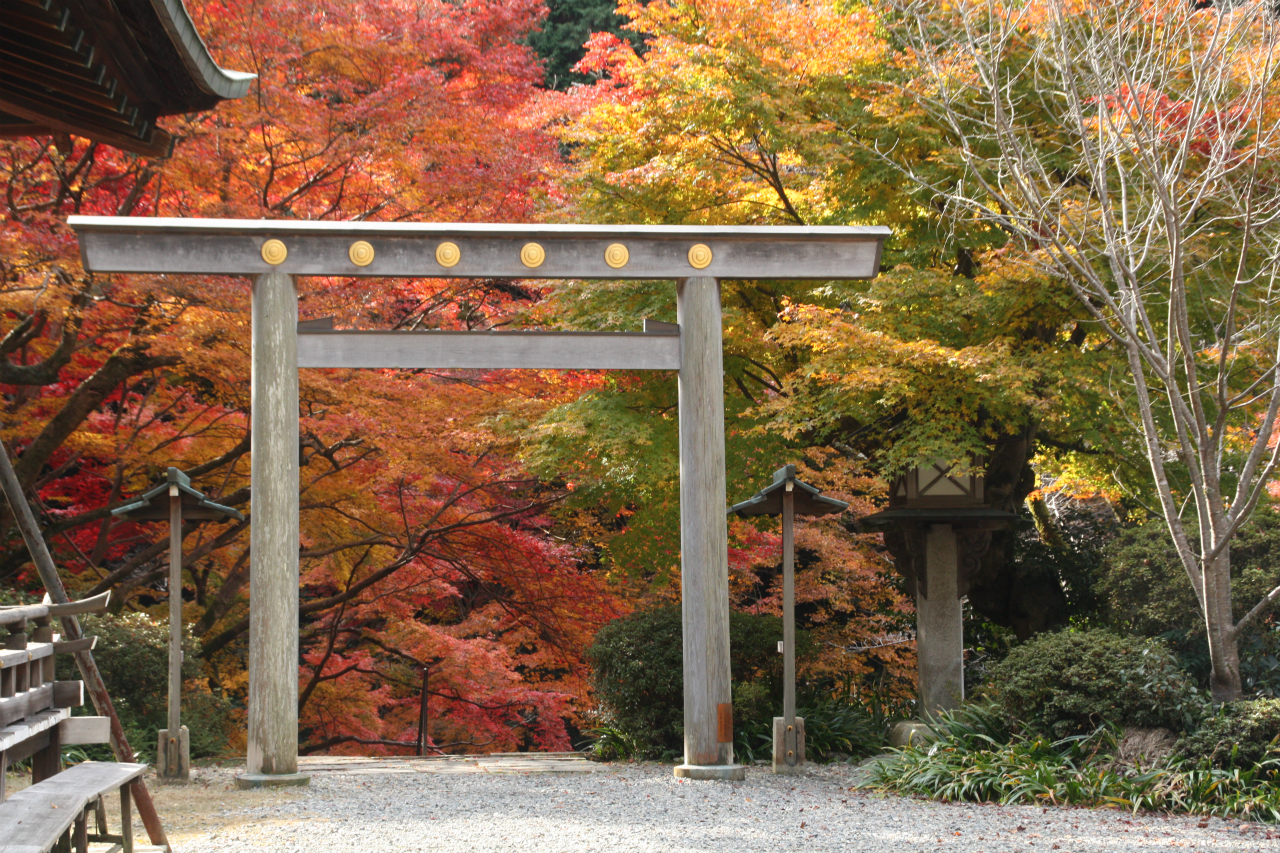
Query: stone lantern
[(946, 524)]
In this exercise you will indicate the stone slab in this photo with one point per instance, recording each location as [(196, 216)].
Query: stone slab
[(712, 772), (909, 733), (246, 781)]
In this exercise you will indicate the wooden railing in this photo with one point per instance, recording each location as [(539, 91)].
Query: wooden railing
[(35, 708)]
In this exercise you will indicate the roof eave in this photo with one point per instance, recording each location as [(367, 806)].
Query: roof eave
[(205, 72)]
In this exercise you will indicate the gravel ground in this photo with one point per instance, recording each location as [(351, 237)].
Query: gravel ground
[(644, 808)]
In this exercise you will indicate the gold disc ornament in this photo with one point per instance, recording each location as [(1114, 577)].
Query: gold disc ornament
[(448, 254), (700, 256), (274, 252), (532, 255), (360, 253), (617, 256)]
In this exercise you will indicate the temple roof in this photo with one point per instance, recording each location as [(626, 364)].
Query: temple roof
[(106, 70)]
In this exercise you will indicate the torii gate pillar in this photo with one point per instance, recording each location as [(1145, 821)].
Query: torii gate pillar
[(273, 537), (704, 542)]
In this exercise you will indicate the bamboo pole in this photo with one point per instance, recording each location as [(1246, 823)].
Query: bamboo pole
[(40, 555)]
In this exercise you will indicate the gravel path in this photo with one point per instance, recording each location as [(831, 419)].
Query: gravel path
[(643, 808)]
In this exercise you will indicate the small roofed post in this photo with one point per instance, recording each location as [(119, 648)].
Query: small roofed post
[(175, 500), (940, 510), (788, 497)]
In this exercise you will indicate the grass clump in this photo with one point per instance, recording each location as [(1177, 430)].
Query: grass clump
[(1049, 735), (973, 759), (831, 728)]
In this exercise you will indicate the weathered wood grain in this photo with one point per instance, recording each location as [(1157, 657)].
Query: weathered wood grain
[(489, 350), (273, 535), (24, 704), (93, 604), (33, 651), (13, 614), (68, 694), (234, 247), (28, 727), (704, 545), (32, 820), (84, 644), (78, 730)]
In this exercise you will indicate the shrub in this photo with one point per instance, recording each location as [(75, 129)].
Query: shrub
[(832, 727), (637, 672), (1241, 734), (133, 656), (1145, 591), (969, 761), (1069, 683)]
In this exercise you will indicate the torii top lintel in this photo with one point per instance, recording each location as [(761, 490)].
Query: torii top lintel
[(470, 250)]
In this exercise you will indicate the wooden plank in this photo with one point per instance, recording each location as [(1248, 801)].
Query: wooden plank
[(30, 746), (234, 247), (21, 612), (26, 703), (34, 651), (95, 604), (77, 730), (84, 644), (68, 694), (490, 350), (28, 727)]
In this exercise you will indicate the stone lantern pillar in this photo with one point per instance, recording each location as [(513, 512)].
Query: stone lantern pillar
[(942, 520)]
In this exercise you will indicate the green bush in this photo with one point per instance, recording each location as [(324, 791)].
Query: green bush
[(1241, 734), (133, 655), (969, 760), (637, 673), (1069, 683), (1145, 591)]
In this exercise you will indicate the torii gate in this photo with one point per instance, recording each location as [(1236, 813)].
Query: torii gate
[(274, 253)]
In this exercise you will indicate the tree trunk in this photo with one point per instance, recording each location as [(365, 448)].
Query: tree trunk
[(1224, 655)]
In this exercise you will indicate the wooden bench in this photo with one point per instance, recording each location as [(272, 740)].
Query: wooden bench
[(55, 813)]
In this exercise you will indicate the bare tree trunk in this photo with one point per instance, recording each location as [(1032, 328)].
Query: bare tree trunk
[(1219, 628)]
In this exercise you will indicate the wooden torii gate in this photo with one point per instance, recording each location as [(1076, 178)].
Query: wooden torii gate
[(274, 253)]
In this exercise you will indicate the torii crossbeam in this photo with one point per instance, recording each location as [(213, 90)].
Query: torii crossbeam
[(274, 253)]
